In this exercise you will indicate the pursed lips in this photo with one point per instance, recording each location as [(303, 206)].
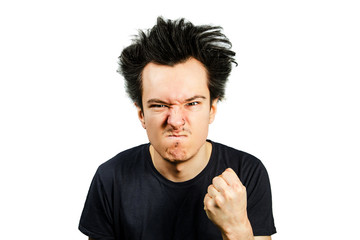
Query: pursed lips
[(173, 134), (176, 135)]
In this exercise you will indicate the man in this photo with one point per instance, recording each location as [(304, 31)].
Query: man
[(180, 185)]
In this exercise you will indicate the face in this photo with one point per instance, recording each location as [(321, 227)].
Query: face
[(176, 109)]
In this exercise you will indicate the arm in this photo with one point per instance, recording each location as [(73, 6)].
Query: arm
[(226, 206), (97, 209)]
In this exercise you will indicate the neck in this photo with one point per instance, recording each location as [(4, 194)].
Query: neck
[(181, 171)]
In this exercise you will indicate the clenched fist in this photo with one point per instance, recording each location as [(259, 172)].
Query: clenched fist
[(225, 205)]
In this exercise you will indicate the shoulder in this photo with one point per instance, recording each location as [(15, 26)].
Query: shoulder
[(123, 161), (233, 155), (244, 164), (254, 176)]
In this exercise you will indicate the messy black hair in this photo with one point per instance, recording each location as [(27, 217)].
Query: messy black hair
[(170, 42)]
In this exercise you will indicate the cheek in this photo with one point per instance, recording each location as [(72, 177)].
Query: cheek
[(200, 123), (154, 123)]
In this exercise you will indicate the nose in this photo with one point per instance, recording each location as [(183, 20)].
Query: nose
[(176, 117)]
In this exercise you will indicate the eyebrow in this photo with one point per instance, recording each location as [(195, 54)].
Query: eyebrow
[(194, 98), (156, 100)]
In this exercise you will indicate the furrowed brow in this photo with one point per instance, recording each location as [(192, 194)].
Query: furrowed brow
[(155, 100), (158, 101), (194, 98)]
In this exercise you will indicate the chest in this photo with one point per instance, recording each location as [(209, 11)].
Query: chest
[(150, 209)]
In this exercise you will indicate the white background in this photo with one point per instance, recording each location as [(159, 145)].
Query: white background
[(293, 101)]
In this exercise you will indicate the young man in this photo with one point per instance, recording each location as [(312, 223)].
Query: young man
[(180, 185)]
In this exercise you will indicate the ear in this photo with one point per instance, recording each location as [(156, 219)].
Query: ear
[(213, 109), (140, 115)]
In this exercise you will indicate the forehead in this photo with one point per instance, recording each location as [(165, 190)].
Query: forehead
[(178, 82)]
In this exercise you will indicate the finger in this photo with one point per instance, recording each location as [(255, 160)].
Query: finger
[(231, 178), (212, 191), (208, 202), (220, 184)]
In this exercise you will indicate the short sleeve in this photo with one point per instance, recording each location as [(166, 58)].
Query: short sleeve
[(259, 202), (97, 219)]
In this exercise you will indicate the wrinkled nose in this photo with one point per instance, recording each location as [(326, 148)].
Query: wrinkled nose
[(176, 118)]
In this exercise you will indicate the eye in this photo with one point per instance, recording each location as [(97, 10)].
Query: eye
[(158, 106), (192, 103)]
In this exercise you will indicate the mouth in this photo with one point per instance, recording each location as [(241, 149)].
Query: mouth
[(176, 136)]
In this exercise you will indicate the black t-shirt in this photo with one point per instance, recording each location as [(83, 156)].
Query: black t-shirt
[(130, 199)]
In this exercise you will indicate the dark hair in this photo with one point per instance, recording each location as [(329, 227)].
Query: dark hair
[(171, 42)]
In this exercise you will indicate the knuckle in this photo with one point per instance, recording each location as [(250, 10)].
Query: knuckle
[(228, 195), (209, 204), (206, 199), (226, 174), (219, 201), (215, 179), (239, 187)]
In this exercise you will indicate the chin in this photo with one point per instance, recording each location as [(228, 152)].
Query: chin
[(176, 153)]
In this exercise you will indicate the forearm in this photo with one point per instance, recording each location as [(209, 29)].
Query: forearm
[(242, 232)]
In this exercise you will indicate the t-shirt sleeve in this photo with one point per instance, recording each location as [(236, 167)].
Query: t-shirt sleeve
[(97, 219), (259, 204)]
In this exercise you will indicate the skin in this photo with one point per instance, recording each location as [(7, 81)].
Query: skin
[(176, 115), (225, 205)]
